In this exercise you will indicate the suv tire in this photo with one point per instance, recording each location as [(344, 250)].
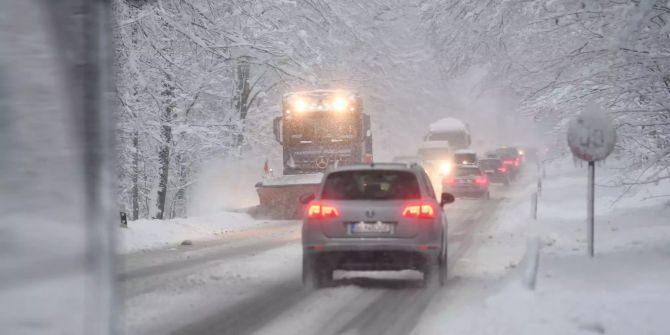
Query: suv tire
[(315, 276), (435, 272)]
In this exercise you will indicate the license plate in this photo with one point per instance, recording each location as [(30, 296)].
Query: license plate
[(367, 227), (464, 181), (489, 171)]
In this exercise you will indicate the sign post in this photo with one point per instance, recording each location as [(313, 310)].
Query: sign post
[(590, 220), (591, 137)]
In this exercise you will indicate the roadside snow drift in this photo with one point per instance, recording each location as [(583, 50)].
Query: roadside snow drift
[(152, 234)]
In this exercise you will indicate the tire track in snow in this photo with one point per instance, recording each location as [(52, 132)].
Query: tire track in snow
[(145, 279), (384, 307), (398, 310), (250, 314)]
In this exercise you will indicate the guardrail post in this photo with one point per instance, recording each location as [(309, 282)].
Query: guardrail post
[(533, 205), (124, 220)]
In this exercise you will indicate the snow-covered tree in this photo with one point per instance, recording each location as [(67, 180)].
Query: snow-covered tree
[(558, 56)]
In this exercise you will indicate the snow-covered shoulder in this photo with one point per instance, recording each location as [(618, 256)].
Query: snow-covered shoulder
[(145, 234), (297, 179), (622, 290)]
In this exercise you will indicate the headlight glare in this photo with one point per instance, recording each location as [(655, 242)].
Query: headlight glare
[(445, 168)]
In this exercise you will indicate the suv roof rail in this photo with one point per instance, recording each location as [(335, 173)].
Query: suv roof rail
[(413, 165)]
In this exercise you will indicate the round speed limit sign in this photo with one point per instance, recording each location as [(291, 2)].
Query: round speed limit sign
[(591, 136)]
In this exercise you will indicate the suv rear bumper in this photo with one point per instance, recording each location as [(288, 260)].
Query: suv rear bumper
[(370, 245), (373, 260), (379, 254)]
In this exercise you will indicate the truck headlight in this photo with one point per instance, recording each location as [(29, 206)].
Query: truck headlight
[(300, 105), (340, 104)]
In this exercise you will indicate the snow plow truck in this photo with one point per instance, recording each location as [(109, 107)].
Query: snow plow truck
[(317, 129)]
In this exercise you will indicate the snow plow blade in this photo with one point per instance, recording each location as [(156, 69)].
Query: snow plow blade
[(279, 197)]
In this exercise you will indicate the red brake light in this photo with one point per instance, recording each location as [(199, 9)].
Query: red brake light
[(317, 211), (419, 211), (411, 211), (329, 212), (508, 162), (481, 180)]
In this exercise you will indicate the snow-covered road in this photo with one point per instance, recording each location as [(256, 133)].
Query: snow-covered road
[(250, 282), (247, 280)]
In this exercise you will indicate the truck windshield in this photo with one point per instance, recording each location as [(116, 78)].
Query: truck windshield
[(371, 185), (325, 128), (456, 139), (435, 153)]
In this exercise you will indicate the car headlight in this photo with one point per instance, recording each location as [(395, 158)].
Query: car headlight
[(445, 168)]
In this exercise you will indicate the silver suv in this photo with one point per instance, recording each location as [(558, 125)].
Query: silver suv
[(371, 218)]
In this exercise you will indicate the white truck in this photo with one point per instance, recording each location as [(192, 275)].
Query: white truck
[(437, 149)]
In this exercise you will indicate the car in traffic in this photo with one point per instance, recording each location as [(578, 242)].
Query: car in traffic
[(512, 160), (467, 181), (494, 169), (374, 217)]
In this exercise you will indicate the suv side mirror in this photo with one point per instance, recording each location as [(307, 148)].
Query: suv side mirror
[(306, 198), (446, 198)]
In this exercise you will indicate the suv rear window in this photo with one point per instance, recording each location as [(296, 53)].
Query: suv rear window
[(371, 185), (468, 171), (465, 158), (490, 163), (508, 153)]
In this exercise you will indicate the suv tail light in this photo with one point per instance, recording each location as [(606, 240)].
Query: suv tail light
[(367, 158), (317, 211), (508, 162), (423, 211), (481, 180)]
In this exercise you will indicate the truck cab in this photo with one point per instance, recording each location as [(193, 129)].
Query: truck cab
[(451, 130), (437, 149), (321, 128)]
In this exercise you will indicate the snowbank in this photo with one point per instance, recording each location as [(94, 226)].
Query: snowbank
[(447, 125), (152, 234), (297, 179)]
